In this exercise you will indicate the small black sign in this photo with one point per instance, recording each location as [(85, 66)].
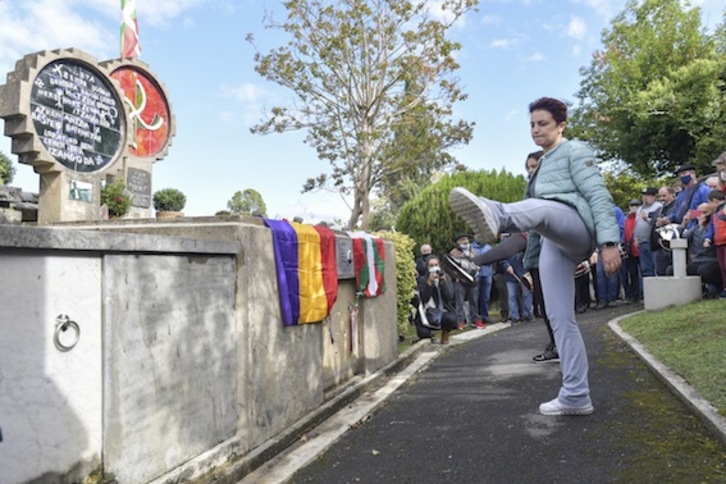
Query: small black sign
[(77, 116), (138, 182)]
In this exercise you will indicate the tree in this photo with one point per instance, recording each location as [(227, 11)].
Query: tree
[(655, 96), (7, 170), (249, 202), (367, 75)]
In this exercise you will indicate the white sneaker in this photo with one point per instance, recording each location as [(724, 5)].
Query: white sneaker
[(475, 213), (555, 407)]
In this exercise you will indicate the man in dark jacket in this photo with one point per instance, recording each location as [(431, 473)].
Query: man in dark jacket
[(463, 271), (663, 258)]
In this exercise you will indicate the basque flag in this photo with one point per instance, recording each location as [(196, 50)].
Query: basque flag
[(369, 261), (129, 30)]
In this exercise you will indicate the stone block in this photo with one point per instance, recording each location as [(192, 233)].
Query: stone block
[(661, 292)]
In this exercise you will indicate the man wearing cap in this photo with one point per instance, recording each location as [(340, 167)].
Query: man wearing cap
[(693, 194), (644, 220), (465, 289)]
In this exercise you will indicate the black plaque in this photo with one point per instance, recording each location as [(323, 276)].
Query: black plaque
[(344, 257), (138, 182), (77, 116)]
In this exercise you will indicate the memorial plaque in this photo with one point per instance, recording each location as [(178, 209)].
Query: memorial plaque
[(138, 182), (77, 116), (149, 116), (344, 253)]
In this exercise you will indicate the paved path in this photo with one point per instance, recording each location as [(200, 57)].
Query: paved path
[(469, 414)]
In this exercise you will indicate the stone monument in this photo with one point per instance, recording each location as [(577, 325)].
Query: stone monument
[(81, 124)]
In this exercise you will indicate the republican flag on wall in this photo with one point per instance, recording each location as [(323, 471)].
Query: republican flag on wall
[(306, 268), (129, 30)]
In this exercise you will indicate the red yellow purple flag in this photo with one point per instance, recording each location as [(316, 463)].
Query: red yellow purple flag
[(129, 30), (306, 268)]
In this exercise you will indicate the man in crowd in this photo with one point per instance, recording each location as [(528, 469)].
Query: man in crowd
[(630, 270), (644, 221), (702, 260), (693, 194), (465, 288), (607, 287), (663, 258), (485, 278), (421, 267)]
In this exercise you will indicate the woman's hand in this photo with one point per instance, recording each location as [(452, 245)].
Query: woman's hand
[(611, 259)]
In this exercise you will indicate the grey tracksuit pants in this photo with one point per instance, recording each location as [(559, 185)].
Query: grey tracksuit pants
[(566, 241)]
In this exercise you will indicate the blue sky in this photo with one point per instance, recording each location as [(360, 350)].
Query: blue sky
[(514, 51)]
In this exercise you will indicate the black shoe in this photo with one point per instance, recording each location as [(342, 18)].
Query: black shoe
[(550, 353)]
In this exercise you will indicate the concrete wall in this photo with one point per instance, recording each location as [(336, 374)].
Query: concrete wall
[(188, 364), (50, 401)]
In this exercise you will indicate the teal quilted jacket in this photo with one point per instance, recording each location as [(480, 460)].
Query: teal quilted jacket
[(569, 173)]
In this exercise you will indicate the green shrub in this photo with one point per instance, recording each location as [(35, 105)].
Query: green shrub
[(7, 170), (114, 196), (169, 200), (428, 218), (405, 276)]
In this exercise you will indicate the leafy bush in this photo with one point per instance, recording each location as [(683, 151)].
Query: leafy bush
[(7, 170), (428, 218), (169, 200), (405, 276), (114, 196)]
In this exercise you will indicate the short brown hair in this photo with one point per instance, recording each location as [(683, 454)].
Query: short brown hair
[(555, 107)]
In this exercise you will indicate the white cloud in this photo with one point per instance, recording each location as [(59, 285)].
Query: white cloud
[(577, 28), (84, 24), (251, 98), (604, 8), (502, 43), (576, 49), (35, 26), (512, 114), (491, 19), (160, 12), (537, 57), (247, 92)]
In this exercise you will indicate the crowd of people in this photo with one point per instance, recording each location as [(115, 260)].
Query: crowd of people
[(567, 248), (689, 209)]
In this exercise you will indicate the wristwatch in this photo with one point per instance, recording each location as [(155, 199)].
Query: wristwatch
[(610, 244)]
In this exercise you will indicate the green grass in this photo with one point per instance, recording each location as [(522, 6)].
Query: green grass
[(691, 341)]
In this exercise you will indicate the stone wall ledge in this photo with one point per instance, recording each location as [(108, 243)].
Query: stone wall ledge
[(73, 239)]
